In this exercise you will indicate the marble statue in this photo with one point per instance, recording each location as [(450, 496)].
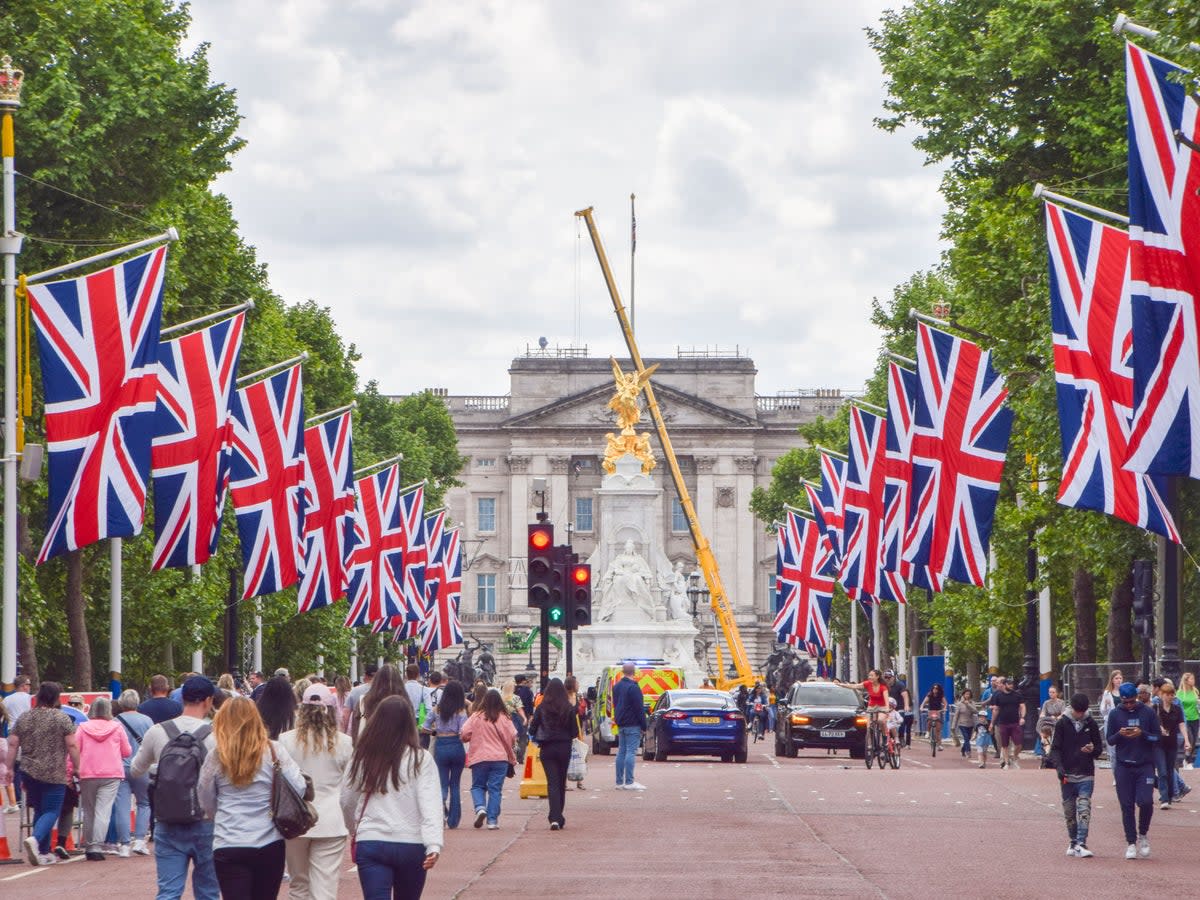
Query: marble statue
[(675, 586), (626, 582)]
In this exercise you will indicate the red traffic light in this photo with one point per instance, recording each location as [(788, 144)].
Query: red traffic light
[(539, 538), (581, 574)]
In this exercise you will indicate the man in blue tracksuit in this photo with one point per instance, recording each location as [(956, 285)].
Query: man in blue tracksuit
[(629, 715), (1133, 731)]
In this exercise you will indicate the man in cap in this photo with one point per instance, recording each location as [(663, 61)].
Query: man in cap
[(1133, 731), (898, 691), (175, 845)]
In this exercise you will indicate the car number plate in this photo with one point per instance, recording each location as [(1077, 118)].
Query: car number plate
[(705, 720), (830, 733)]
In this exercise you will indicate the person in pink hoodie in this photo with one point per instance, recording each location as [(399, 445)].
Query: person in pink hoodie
[(102, 746)]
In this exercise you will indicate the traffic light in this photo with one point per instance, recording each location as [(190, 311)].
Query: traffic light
[(579, 592), (1143, 597), (541, 575)]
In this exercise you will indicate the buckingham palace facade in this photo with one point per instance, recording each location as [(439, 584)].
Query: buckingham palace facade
[(552, 424)]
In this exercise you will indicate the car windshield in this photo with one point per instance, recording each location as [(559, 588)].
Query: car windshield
[(824, 695), (711, 700)]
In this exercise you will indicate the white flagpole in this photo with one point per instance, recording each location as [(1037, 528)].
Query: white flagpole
[(1123, 24), (198, 634), (854, 640), (321, 417), (167, 236), (399, 457), (902, 639), (10, 246), (271, 370), (353, 656), (877, 654), (256, 662), (1040, 191), (114, 615), (191, 323)]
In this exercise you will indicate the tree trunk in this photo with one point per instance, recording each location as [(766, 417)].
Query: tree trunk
[(27, 652), (1120, 621), (77, 622), (1083, 591)]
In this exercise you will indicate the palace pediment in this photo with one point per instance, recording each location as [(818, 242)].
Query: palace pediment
[(589, 409)]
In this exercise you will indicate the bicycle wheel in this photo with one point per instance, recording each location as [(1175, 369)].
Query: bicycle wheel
[(894, 754), (933, 737), (869, 755)]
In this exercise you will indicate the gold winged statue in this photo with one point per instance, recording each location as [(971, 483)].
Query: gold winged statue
[(625, 404)]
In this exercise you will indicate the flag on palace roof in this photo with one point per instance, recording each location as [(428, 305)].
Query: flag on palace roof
[(1093, 341), (193, 441), (376, 561), (328, 512), (267, 481), (1164, 260), (961, 428), (98, 346)]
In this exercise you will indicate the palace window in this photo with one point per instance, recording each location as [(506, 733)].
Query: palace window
[(485, 592), (679, 522), (583, 513), (485, 508)]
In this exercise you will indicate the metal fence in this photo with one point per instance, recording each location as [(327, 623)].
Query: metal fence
[(1091, 678)]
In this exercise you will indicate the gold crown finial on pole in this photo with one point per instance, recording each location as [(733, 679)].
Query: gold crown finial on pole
[(10, 82)]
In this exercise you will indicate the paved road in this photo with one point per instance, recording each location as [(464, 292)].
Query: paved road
[(769, 828)]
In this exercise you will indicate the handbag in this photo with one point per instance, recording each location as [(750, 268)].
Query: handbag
[(511, 771), (292, 813), (577, 767)]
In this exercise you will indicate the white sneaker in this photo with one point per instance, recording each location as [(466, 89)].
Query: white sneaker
[(1131, 851), (1144, 847), (1013, 764), (480, 817), (1164, 805), (108, 849), (46, 859), (1083, 852), (622, 787), (1071, 851), (14, 808), (31, 850), (635, 786), (123, 851), (1187, 767), (140, 848), (493, 826)]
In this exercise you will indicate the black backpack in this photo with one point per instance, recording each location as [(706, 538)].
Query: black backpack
[(176, 799)]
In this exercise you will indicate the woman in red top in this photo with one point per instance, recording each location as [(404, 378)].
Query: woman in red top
[(877, 696)]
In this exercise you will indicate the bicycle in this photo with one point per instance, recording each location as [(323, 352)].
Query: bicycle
[(756, 727), (877, 744), (934, 727)]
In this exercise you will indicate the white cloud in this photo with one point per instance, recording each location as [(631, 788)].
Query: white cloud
[(430, 155)]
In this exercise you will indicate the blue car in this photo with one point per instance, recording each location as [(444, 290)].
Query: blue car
[(695, 723)]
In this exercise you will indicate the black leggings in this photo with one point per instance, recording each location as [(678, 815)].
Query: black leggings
[(556, 756), (250, 873)]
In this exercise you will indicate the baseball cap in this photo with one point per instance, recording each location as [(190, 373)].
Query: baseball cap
[(197, 689), (318, 695), (889, 674), (282, 672), (75, 698), (1128, 689)]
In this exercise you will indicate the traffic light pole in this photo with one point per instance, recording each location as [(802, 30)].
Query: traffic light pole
[(544, 662)]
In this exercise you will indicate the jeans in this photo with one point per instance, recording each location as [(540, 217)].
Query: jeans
[(250, 873), (487, 779), (906, 729), (174, 847), (128, 790), (1193, 730), (965, 732), (1135, 787), (1164, 767), (450, 756), (1077, 809), (47, 800), (556, 756), (394, 871), (628, 738)]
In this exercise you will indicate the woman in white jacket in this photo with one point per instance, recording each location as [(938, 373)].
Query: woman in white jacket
[(322, 751), (392, 803)]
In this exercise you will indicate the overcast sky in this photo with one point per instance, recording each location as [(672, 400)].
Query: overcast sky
[(415, 165)]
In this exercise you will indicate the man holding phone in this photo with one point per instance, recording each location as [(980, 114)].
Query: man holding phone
[(1133, 732)]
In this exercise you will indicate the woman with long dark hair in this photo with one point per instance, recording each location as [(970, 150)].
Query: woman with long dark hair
[(235, 789), (323, 753), (390, 804), (556, 724), (447, 721), (277, 706), (386, 683), (490, 734)]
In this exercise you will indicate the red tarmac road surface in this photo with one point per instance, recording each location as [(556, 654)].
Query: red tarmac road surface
[(818, 825)]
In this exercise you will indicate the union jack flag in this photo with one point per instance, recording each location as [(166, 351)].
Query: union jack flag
[(804, 589), (377, 559), (862, 570), (98, 346), (960, 435), (902, 391), (826, 503), (267, 481), (435, 532), (328, 512), (441, 627), (1092, 343), (1164, 260), (193, 441)]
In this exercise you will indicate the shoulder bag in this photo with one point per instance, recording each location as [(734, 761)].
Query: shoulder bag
[(293, 814), (512, 759)]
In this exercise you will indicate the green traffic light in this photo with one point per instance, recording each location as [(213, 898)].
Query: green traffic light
[(556, 615)]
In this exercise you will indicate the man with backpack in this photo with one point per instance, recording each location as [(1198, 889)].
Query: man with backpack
[(173, 752)]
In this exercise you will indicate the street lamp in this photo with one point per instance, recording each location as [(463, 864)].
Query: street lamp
[(696, 590)]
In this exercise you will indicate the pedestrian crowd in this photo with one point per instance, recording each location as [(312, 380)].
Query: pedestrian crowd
[(215, 778)]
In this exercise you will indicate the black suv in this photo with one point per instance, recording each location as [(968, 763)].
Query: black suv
[(823, 715)]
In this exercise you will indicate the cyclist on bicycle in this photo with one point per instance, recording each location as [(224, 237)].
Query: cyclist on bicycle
[(877, 697), (935, 703), (757, 708)]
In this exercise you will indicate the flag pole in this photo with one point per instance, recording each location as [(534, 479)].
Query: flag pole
[(399, 457), (1040, 191), (271, 370), (249, 304), (632, 257), (10, 245), (854, 640), (903, 360), (876, 644), (869, 407), (114, 616), (1123, 23), (321, 417), (832, 453), (168, 236)]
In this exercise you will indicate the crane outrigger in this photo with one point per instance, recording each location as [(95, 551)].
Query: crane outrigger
[(721, 607)]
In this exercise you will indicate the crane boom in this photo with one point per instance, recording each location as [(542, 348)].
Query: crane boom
[(704, 555)]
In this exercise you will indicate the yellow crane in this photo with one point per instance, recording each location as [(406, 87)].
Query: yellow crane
[(704, 555)]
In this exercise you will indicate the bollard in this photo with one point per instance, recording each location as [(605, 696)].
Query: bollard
[(533, 779)]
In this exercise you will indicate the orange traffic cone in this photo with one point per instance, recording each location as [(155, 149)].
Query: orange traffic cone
[(6, 858)]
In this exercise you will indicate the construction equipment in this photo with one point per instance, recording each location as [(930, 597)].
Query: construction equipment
[(704, 555), (515, 642)]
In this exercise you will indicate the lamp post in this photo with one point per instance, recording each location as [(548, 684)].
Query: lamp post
[(697, 589), (10, 246)]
